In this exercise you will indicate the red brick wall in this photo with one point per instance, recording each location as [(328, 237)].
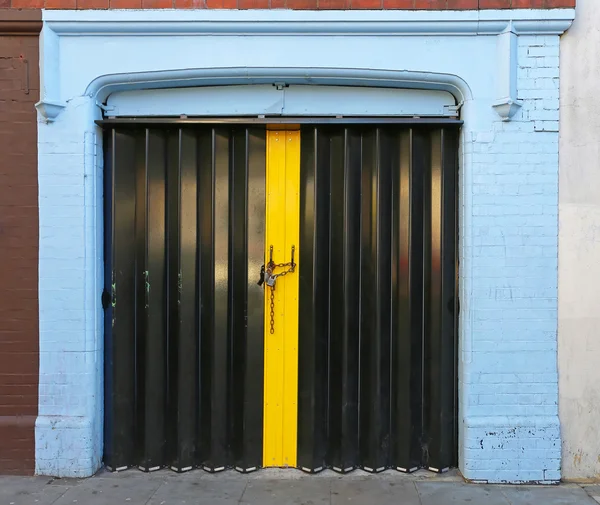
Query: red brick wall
[(288, 4), (19, 348)]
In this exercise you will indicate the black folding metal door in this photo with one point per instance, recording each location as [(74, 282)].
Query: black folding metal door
[(377, 336), (184, 244), (184, 315)]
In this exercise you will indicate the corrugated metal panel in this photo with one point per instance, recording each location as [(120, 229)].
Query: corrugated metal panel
[(184, 316), (184, 343), (377, 294)]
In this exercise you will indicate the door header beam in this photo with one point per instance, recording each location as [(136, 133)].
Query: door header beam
[(144, 121)]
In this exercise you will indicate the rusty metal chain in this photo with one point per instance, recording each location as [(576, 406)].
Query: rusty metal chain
[(291, 268), (270, 269), (272, 330)]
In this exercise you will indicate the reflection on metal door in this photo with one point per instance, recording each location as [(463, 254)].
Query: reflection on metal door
[(377, 383), (184, 316), (281, 300), (360, 370)]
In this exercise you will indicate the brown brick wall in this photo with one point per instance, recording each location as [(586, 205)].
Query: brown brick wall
[(19, 349), (288, 4)]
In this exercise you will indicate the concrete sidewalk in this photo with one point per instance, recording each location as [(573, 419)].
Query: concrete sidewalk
[(281, 487)]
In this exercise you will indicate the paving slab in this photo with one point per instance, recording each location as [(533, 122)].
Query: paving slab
[(125, 489), (394, 489), (297, 491), (547, 495), (454, 493), (29, 491), (593, 490), (185, 490)]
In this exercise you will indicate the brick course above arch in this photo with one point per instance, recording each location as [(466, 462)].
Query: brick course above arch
[(290, 4)]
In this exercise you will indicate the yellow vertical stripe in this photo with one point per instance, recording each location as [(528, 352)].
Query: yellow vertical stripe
[(290, 358), (281, 347)]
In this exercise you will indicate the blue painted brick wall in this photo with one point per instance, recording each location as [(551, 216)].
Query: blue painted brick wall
[(510, 376)]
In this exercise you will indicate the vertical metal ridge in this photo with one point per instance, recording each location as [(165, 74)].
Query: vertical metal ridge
[(143, 449), (375, 311), (345, 285), (369, 330), (313, 325), (254, 245), (247, 331), (120, 353), (221, 341), (400, 349), (451, 150), (433, 301), (384, 291), (351, 297), (427, 255), (238, 292), (447, 338), (338, 446), (108, 297), (206, 288), (418, 168), (368, 273), (215, 354), (172, 265), (151, 307), (308, 432), (407, 395), (184, 347)]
